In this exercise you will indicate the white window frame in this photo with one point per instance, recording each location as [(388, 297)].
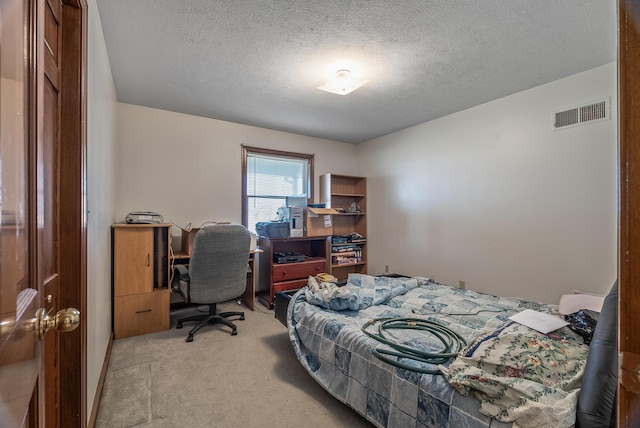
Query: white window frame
[(257, 151)]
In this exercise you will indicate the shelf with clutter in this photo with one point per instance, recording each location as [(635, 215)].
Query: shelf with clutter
[(347, 196)]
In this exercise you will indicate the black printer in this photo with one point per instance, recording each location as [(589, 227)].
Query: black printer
[(273, 229)]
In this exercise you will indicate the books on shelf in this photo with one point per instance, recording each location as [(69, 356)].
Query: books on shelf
[(346, 254), (352, 238), (347, 260), (343, 248)]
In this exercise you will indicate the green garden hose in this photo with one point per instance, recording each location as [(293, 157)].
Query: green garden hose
[(452, 343)]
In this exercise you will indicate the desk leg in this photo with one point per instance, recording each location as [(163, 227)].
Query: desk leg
[(249, 296)]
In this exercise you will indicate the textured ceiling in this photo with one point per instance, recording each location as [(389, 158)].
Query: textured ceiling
[(259, 62)]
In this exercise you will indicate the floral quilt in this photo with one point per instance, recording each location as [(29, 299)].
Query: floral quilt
[(521, 375)]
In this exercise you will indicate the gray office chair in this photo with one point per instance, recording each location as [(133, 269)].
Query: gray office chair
[(217, 273)]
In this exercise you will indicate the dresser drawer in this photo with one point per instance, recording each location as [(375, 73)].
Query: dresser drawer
[(300, 270), (289, 285), (141, 313)]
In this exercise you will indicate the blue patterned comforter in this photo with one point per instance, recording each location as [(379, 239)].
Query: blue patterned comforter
[(335, 352)]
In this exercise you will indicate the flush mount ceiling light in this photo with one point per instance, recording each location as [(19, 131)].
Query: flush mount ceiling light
[(343, 84)]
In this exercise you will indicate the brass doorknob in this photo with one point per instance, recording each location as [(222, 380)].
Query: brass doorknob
[(63, 321)]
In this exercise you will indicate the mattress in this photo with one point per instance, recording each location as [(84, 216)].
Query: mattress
[(537, 386)]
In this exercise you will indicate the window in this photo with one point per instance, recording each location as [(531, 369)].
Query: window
[(269, 177)]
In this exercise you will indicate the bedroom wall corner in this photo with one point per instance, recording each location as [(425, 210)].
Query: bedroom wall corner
[(189, 168), (492, 196), (101, 102)]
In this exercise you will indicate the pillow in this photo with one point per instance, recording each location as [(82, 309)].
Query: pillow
[(597, 401), (571, 303)]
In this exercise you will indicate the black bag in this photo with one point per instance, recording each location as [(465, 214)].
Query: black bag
[(582, 323)]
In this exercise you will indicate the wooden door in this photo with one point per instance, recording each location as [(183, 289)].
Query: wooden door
[(48, 167), (629, 252), (42, 250), (20, 349)]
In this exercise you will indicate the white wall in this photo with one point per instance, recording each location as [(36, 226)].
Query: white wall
[(189, 168), (489, 195), (492, 196), (101, 101)]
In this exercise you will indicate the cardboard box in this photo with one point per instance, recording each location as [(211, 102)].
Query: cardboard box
[(319, 221), (187, 240), (186, 243)]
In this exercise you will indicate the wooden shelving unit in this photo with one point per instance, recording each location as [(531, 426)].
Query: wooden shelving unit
[(348, 195)]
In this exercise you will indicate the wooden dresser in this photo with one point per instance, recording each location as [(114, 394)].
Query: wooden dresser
[(275, 277)]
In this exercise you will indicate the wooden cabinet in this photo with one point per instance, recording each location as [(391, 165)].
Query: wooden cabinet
[(348, 195), (276, 277), (140, 271)]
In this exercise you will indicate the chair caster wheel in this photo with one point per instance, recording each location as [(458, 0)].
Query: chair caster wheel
[(179, 325), (241, 317), (189, 339), (234, 332)]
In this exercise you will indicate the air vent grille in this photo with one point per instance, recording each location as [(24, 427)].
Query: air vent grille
[(581, 115), (593, 112), (567, 118)]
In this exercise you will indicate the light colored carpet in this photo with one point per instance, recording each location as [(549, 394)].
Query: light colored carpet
[(249, 380)]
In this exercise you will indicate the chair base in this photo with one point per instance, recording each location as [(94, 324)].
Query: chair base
[(211, 318)]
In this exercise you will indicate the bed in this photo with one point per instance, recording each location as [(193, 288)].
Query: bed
[(505, 374)]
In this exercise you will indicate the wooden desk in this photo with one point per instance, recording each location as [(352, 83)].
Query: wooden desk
[(142, 265), (249, 296)]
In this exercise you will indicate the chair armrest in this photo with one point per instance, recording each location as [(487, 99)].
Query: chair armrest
[(180, 281), (183, 273)]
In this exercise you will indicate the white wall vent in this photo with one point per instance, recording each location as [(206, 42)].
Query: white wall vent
[(581, 115)]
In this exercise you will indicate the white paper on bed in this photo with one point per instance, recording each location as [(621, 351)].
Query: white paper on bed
[(540, 321)]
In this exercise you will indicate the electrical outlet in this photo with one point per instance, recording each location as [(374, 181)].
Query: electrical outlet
[(386, 268), (462, 284)]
